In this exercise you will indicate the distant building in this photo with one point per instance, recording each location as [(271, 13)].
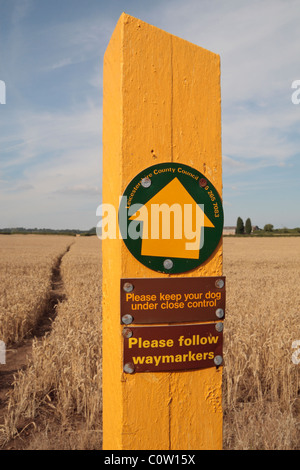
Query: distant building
[(229, 231)]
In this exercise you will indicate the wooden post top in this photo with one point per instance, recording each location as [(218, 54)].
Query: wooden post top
[(161, 104)]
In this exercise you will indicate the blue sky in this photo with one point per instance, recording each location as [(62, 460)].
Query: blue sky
[(51, 55)]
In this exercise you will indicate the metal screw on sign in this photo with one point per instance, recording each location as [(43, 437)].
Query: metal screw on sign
[(146, 182), (127, 319), (219, 283), (220, 313), (219, 327), (218, 360), (127, 333), (202, 182), (128, 287), (168, 264), (128, 368)]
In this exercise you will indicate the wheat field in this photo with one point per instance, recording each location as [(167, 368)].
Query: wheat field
[(261, 396), (61, 388), (56, 401), (25, 276)]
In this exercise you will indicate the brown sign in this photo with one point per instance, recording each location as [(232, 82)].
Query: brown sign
[(172, 300), (171, 348)]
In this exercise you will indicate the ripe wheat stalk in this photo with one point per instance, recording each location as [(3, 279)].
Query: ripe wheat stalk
[(59, 395), (63, 380)]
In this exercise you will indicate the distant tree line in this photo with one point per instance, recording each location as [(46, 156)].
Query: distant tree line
[(47, 231), (241, 228), (268, 229)]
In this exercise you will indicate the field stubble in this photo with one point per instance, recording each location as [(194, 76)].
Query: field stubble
[(26, 264), (59, 395), (261, 386)]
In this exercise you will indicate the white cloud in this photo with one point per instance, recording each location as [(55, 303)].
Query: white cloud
[(61, 63), (21, 9), (51, 132), (75, 41), (258, 43), (20, 188), (81, 190), (58, 150), (60, 158), (233, 164)]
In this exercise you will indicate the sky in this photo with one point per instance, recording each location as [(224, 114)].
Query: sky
[(51, 61)]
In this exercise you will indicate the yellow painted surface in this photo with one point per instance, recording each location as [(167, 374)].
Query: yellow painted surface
[(166, 235), (161, 104)]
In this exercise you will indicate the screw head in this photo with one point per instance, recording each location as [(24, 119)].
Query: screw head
[(146, 182), (218, 360), (219, 326), (128, 368), (128, 287), (127, 319), (168, 264), (220, 313), (202, 182), (219, 283), (127, 332)]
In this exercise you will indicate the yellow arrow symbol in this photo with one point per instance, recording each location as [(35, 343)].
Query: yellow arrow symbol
[(172, 223)]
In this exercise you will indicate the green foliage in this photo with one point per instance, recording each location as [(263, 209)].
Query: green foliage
[(268, 228), (239, 226), (248, 226), (47, 231)]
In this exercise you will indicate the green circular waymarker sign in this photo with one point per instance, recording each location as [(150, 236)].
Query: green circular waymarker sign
[(171, 218)]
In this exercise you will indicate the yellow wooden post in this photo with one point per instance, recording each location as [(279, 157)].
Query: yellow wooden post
[(161, 104)]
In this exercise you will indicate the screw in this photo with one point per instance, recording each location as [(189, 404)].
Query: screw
[(168, 264), (128, 368), (220, 313), (202, 182), (127, 332), (127, 319), (128, 287), (219, 326), (146, 182), (218, 360), (219, 283)]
